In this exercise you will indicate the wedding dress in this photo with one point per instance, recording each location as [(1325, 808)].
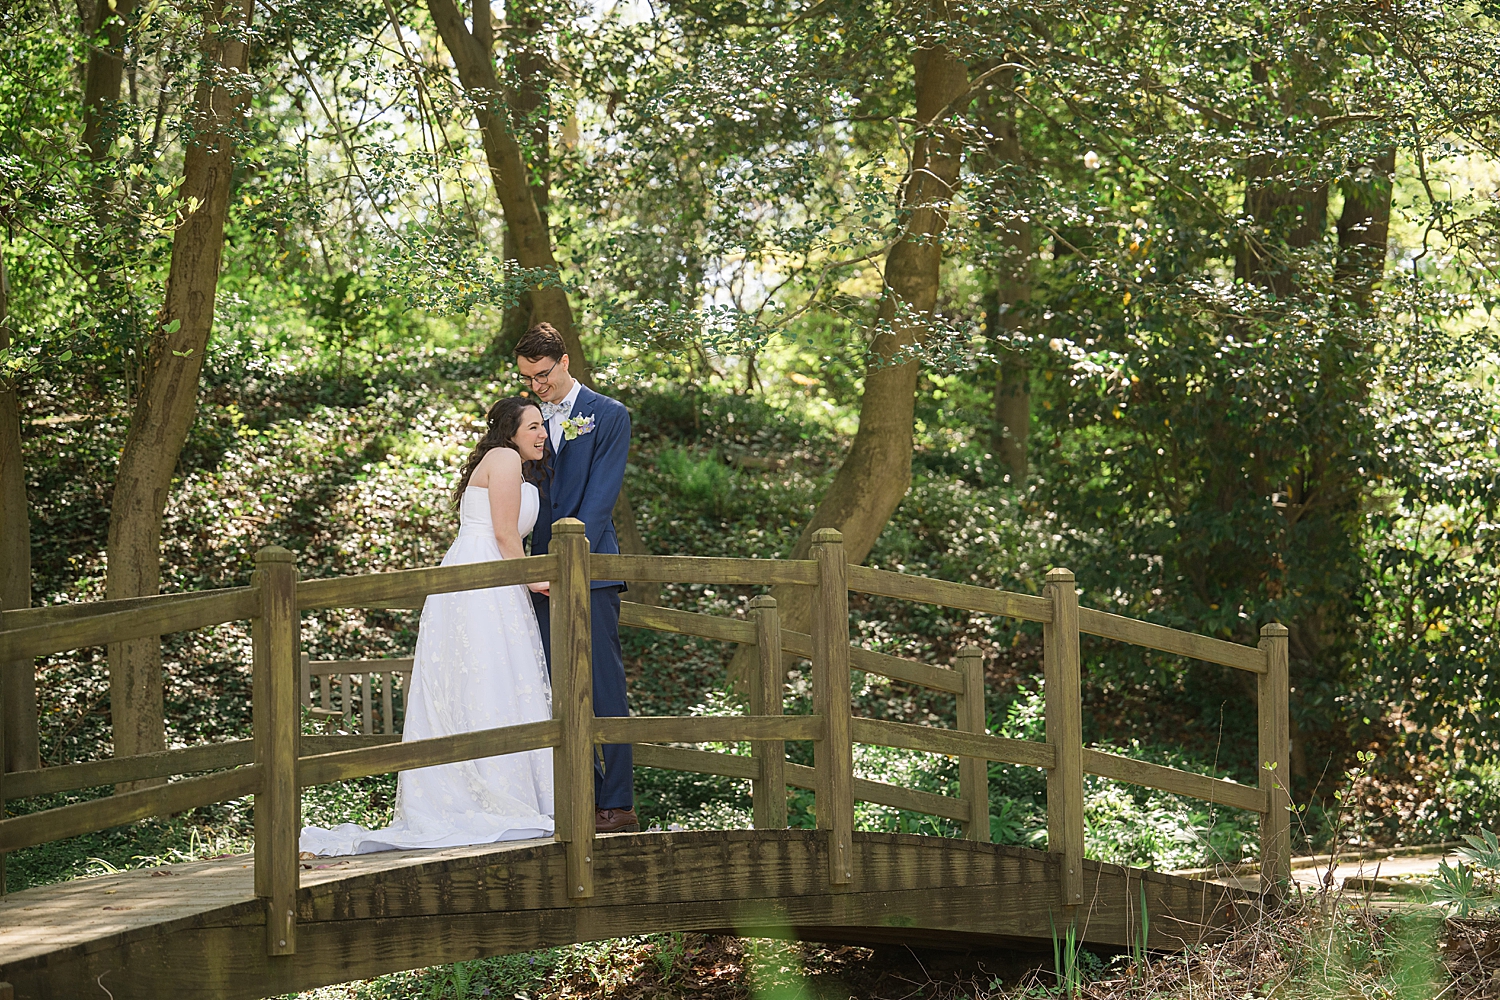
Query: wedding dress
[(479, 664)]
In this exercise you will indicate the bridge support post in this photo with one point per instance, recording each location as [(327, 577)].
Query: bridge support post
[(573, 703), (834, 754), (768, 792), (1273, 689), (973, 772), (277, 728), (1064, 717)]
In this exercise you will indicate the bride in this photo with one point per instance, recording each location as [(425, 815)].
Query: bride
[(479, 664)]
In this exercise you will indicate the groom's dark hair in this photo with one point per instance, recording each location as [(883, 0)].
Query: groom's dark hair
[(541, 341)]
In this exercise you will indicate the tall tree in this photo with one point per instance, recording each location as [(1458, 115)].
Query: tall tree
[(1010, 278), (876, 474), (21, 750), (168, 398), (528, 72), (521, 194)]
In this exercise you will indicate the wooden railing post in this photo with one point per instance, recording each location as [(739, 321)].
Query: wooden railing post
[(1273, 690), (277, 727), (768, 792), (573, 703), (973, 772), (834, 755), (1064, 716)]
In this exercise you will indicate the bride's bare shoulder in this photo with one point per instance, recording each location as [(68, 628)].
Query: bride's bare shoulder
[(499, 467)]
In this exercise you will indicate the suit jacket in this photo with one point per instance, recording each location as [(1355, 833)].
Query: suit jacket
[(586, 476)]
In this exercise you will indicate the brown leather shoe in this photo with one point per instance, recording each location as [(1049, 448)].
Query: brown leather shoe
[(616, 821)]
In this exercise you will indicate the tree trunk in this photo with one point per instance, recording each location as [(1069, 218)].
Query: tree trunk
[(527, 233), (1012, 401), (529, 70), (1364, 231), (502, 151), (22, 751), (873, 480), (168, 400), (103, 71)]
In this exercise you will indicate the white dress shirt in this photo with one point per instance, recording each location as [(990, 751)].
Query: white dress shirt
[(554, 426)]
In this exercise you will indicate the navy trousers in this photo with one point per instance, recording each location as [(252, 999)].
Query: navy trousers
[(614, 776)]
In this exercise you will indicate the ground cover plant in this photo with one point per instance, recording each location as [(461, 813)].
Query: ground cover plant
[(1195, 299)]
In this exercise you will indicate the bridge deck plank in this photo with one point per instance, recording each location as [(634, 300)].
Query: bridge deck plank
[(196, 930)]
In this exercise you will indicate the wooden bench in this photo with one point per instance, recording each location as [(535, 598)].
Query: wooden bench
[(359, 684)]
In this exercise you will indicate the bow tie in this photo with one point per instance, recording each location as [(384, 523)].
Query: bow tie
[(550, 410)]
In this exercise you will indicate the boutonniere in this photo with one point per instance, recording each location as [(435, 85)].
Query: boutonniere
[(574, 426)]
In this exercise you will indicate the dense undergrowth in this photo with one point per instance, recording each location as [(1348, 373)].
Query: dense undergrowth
[(355, 476)]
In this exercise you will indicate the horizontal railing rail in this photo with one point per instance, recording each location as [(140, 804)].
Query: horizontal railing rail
[(1171, 779), (704, 569), (959, 596), (280, 761), (727, 765), (952, 743), (166, 764), (53, 614), (117, 810), (707, 728), (1171, 640), (412, 584), (155, 616), (411, 754), (686, 623)]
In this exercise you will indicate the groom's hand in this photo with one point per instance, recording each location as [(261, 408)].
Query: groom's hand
[(540, 588)]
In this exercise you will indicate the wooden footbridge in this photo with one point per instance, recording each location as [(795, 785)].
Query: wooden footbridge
[(270, 923)]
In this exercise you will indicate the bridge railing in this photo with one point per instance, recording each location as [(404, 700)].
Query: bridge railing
[(279, 761)]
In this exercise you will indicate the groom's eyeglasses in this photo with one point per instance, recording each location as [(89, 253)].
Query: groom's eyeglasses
[(538, 379)]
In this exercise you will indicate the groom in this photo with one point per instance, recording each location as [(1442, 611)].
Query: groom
[(588, 440)]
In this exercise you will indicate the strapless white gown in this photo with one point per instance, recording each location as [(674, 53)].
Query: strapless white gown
[(479, 664)]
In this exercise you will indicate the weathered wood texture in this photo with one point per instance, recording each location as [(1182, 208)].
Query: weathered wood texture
[(767, 690), (833, 756), (374, 914), (952, 742), (378, 589), (1170, 640), (686, 623), (573, 703), (1170, 779), (405, 756), (166, 763), (1064, 717), (706, 729), (973, 772), (116, 810), (170, 613), (277, 721), (54, 614), (1273, 690), (701, 569), (963, 596), (883, 664)]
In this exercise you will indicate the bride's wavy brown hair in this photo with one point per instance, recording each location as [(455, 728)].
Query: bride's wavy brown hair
[(502, 423)]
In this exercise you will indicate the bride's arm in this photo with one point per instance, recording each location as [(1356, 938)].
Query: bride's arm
[(505, 499)]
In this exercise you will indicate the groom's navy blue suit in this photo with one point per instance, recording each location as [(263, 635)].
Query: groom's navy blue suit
[(584, 482)]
